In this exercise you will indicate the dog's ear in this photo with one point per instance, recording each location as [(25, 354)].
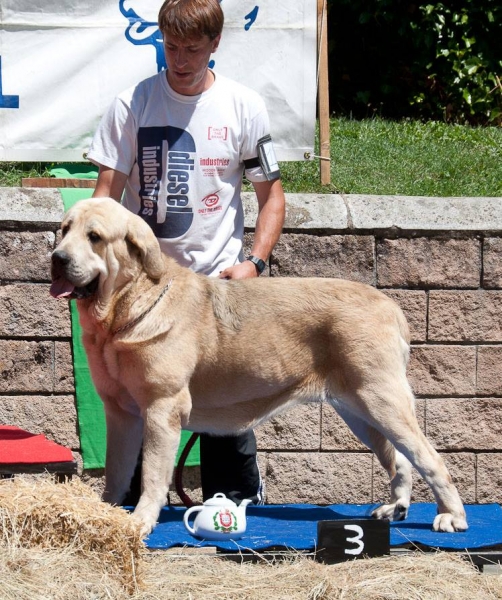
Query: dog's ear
[(140, 235)]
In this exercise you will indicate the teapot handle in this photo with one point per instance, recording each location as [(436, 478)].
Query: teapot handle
[(188, 512)]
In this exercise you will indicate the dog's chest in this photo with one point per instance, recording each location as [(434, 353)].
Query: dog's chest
[(109, 379), (111, 362), (104, 362)]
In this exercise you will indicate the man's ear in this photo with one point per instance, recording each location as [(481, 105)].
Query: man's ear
[(216, 43), (140, 235)]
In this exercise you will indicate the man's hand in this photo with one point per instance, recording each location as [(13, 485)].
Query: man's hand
[(271, 212), (243, 270)]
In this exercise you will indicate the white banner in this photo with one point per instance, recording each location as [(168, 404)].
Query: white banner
[(63, 61)]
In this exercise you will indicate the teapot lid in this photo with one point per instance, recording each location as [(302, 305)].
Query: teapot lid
[(219, 499)]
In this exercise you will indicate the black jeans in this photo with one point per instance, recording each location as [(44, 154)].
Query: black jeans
[(229, 465)]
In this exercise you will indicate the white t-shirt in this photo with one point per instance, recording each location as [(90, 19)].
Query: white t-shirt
[(184, 157)]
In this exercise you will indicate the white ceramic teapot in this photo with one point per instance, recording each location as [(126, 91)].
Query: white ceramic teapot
[(219, 519)]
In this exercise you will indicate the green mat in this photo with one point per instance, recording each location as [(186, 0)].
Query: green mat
[(90, 412), (76, 170)]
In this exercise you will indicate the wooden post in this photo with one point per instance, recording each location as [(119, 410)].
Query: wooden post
[(323, 91)]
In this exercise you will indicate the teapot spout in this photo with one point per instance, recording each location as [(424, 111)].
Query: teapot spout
[(245, 502)]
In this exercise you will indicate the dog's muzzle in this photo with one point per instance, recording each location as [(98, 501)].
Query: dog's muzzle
[(61, 286)]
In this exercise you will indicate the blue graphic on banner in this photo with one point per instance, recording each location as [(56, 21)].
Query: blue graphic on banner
[(146, 33), (179, 167), (143, 33), (7, 101), (251, 18)]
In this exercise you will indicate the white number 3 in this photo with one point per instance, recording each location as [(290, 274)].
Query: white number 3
[(356, 539)]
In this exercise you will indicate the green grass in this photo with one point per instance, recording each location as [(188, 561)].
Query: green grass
[(11, 173), (413, 158), (384, 158), (405, 158)]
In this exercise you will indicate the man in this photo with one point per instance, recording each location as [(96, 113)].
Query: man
[(178, 144)]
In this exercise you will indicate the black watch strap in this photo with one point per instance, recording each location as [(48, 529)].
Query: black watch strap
[(258, 263)]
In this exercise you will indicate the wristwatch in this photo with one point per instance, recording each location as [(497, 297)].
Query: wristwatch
[(258, 263)]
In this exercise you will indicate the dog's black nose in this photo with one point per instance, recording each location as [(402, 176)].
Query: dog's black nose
[(59, 259)]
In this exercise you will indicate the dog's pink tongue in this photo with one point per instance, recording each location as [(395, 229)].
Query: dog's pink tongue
[(61, 288)]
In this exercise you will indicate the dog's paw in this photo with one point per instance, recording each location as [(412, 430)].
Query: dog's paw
[(391, 512), (449, 523), (145, 523)]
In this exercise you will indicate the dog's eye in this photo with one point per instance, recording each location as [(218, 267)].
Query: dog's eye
[(94, 237), (65, 230)]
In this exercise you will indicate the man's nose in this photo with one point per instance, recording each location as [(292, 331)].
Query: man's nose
[(180, 58)]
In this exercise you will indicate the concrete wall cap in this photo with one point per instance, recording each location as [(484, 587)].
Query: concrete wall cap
[(425, 213), (30, 206), (308, 212)]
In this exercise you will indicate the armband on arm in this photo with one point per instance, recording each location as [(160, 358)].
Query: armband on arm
[(266, 159)]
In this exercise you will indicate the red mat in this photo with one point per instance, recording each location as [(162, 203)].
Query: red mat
[(22, 447)]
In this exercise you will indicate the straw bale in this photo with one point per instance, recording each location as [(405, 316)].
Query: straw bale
[(35, 512), (57, 574)]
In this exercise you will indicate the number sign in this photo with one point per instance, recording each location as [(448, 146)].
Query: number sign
[(342, 540)]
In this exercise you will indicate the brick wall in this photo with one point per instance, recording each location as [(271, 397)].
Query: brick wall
[(440, 259)]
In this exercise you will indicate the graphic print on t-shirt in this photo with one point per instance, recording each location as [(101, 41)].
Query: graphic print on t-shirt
[(166, 158)]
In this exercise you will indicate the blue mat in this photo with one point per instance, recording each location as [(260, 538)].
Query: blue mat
[(294, 526)]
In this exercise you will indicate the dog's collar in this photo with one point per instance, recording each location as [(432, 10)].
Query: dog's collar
[(146, 312)]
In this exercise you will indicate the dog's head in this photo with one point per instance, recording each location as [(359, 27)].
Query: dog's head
[(103, 246)]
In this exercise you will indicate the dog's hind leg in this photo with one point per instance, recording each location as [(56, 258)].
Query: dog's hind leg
[(397, 466), (400, 489), (390, 410)]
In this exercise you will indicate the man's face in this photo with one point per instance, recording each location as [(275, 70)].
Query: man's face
[(187, 61)]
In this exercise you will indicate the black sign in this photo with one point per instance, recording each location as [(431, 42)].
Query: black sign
[(342, 540)]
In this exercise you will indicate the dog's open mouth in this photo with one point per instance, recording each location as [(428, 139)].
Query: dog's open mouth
[(62, 288)]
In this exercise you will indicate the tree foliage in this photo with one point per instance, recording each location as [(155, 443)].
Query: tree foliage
[(435, 60)]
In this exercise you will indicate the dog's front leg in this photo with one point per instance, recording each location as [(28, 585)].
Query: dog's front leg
[(163, 420), (124, 433)]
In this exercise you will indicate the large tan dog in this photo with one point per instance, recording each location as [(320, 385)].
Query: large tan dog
[(169, 349)]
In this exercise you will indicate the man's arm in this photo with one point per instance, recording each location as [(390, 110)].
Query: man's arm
[(110, 184), (271, 213)]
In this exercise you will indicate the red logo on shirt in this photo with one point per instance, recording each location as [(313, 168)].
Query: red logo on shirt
[(217, 133), (211, 202)]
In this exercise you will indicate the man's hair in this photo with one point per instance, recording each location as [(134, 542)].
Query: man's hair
[(191, 18)]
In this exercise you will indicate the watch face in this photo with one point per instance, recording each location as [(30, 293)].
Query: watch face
[(259, 263)]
